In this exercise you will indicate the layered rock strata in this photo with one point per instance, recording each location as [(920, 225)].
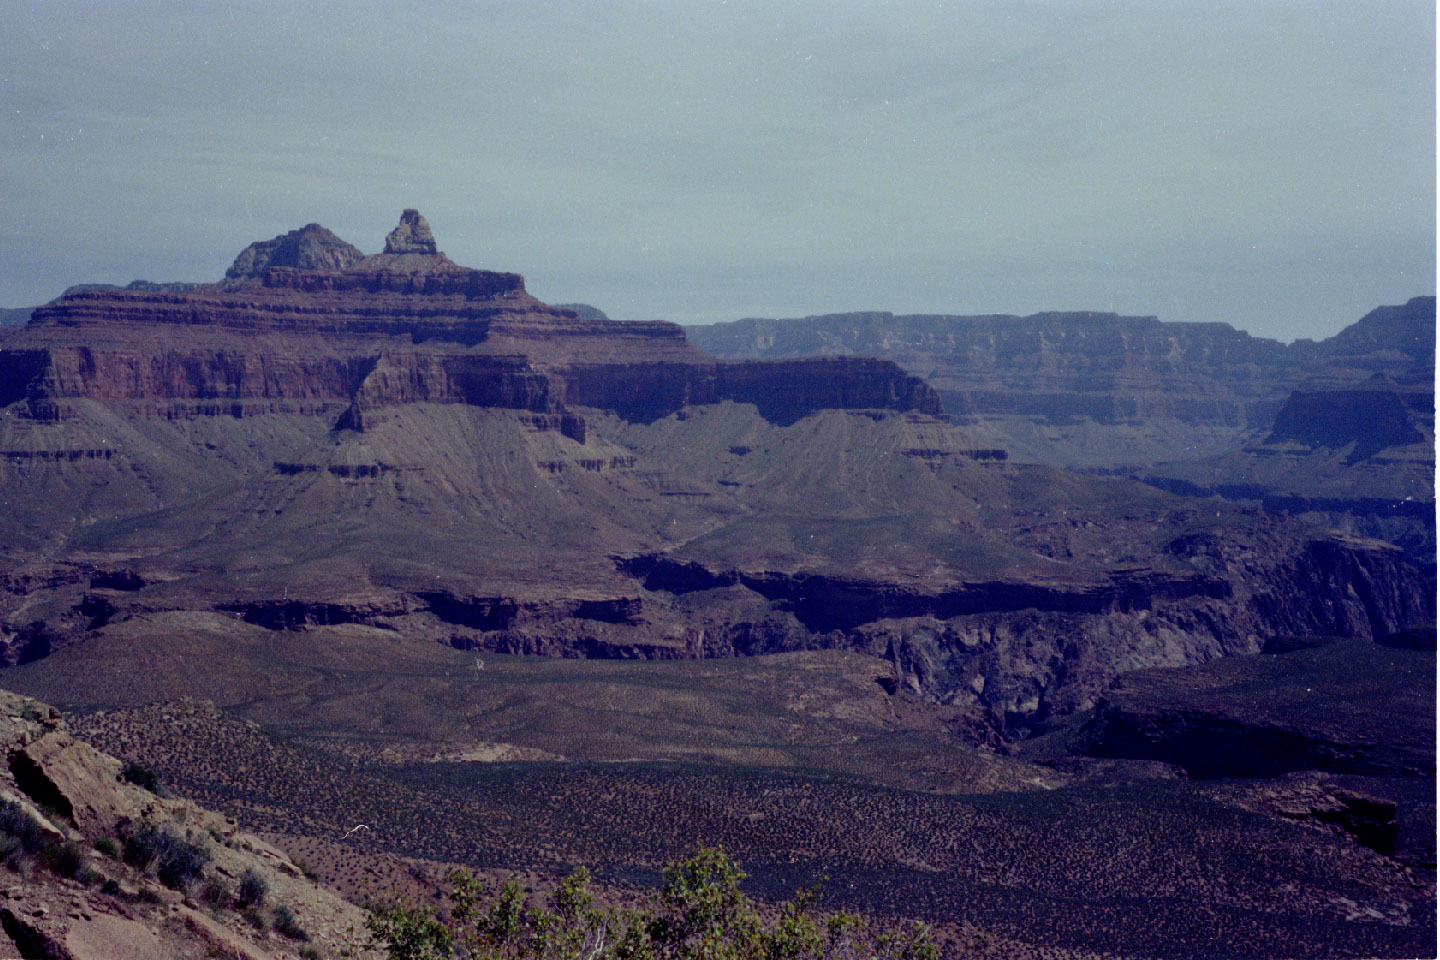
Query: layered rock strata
[(400, 443)]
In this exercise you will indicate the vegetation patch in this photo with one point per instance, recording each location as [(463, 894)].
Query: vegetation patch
[(699, 912), (176, 860)]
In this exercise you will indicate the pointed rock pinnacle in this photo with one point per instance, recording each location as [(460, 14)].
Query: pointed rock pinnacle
[(411, 236)]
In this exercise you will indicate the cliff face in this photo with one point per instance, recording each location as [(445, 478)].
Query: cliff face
[(1056, 366), (307, 318), (1366, 418), (1102, 390)]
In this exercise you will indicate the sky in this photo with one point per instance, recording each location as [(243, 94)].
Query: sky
[(1262, 163)]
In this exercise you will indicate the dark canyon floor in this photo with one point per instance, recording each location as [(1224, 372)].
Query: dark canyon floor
[(384, 540)]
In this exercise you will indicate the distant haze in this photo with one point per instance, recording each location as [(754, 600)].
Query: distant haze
[(1269, 164)]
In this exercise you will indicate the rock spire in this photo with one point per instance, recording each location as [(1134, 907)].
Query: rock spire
[(412, 235)]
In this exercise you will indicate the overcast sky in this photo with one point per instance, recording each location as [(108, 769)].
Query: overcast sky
[(1268, 164)]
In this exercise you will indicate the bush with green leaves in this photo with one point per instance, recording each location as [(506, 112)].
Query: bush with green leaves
[(700, 913)]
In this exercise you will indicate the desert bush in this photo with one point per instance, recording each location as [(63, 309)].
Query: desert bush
[(20, 835), (253, 889), (287, 925), (176, 860), (141, 777), (65, 858), (108, 846), (214, 892), (699, 912)]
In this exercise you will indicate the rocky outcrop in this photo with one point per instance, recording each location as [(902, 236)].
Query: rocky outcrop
[(411, 235), (1030, 652), (1407, 330), (781, 391), (1337, 706), (1102, 390), (1054, 366), (404, 444), (306, 317), (61, 897), (1367, 418), (312, 247)]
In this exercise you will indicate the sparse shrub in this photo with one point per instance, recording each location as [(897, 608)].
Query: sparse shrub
[(253, 889), (286, 924), (141, 777), (700, 912), (146, 895), (176, 860), (110, 887), (309, 953), (255, 918), (65, 858), (108, 846), (20, 835), (214, 892)]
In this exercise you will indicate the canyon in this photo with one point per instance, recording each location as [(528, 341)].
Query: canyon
[(326, 437), (444, 540), (1340, 431)]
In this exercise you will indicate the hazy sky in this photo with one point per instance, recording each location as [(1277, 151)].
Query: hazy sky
[(1269, 164)]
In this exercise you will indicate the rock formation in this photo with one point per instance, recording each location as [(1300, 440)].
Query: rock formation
[(411, 445), (411, 235), (63, 896), (1102, 390), (1366, 418), (312, 247)]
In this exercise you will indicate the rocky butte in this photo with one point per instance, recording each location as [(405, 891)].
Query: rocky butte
[(324, 437)]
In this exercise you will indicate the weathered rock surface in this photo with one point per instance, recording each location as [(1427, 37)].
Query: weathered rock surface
[(77, 915), (312, 247), (411, 235), (1367, 418)]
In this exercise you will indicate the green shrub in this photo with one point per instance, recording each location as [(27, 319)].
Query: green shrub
[(20, 826), (699, 912), (108, 846)]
